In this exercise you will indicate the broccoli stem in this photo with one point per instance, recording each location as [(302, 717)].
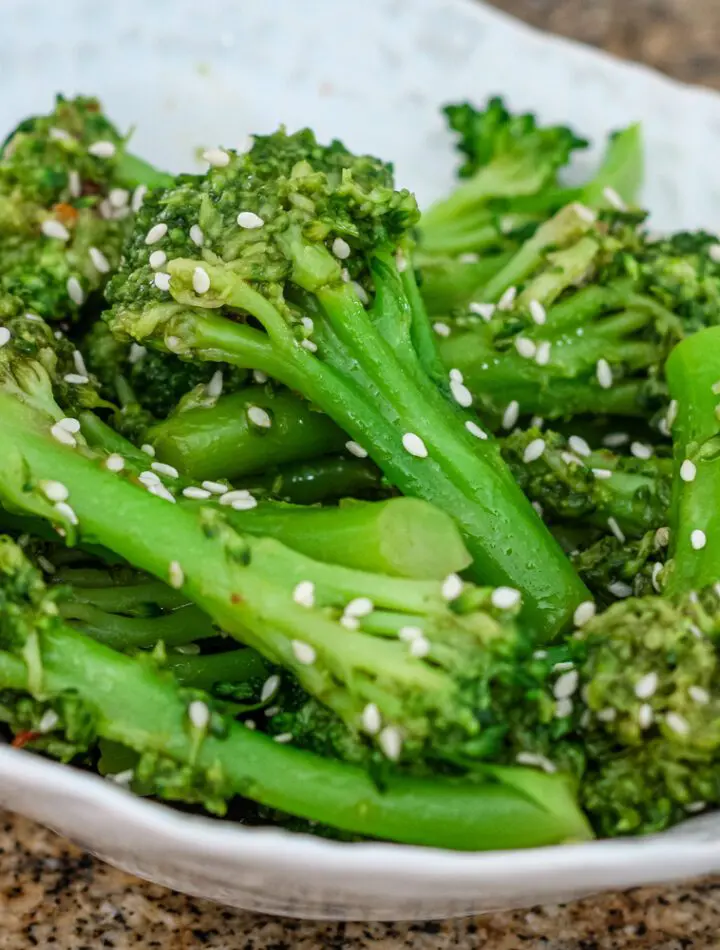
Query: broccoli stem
[(146, 712), (220, 441), (182, 626), (204, 672), (323, 479), (134, 171), (447, 283), (693, 374), (403, 537)]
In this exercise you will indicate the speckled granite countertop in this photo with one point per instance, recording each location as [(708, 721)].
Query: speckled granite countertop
[(54, 897)]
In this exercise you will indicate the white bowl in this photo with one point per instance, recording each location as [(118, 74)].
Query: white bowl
[(373, 73)]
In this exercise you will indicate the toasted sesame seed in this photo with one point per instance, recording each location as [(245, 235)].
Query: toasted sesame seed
[(525, 347), (604, 373), (162, 281), (419, 648), (356, 449), (69, 424), (162, 468), (199, 714), (54, 491), (507, 299), (616, 529), (99, 261), (655, 577), (647, 685), (614, 199), (474, 429), (698, 539), (195, 493), (250, 724), (283, 738), (699, 695), (640, 450), (217, 157), (137, 352), (662, 537), (408, 634), (570, 459), (249, 220), (534, 760), (4, 336), (533, 450), (452, 587), (359, 607), (102, 149), (390, 741), (270, 687), (442, 329), (563, 708), (197, 235), (537, 312), (584, 612), (148, 449), (484, 310), (52, 228), (542, 356), (33, 317), (345, 275), (461, 394), (341, 249), (505, 598), (688, 471), (537, 422), (371, 719), (304, 594), (215, 387), (304, 653), (511, 414), (75, 291), (620, 590), (157, 259), (66, 512), (645, 716), (678, 723), (414, 445), (156, 233), (58, 135), (115, 462), (217, 488), (176, 575)]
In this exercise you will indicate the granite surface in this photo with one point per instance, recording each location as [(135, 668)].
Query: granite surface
[(56, 898)]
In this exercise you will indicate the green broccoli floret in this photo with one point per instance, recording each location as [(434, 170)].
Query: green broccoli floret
[(613, 569)]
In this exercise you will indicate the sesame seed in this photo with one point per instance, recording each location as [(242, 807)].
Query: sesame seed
[(199, 714), (48, 721), (309, 345), (507, 299), (308, 323), (542, 357), (698, 539), (474, 429), (655, 577), (694, 807), (136, 353), (341, 249), (456, 376), (540, 655), (350, 623), (58, 135), (61, 434), (538, 508), (442, 329), (525, 347), (176, 575), (401, 262), (272, 711), (156, 233), (270, 687), (662, 537), (505, 598), (75, 291), (355, 449), (584, 213), (216, 157), (584, 612), (616, 529), (359, 607), (65, 511), (361, 292), (102, 149), (33, 317), (123, 778), (4, 336), (216, 488), (249, 220), (70, 424), (115, 463), (174, 343), (563, 708), (118, 197), (138, 198), (615, 439), (55, 229), (714, 253), (537, 312), (619, 589), (197, 235), (640, 450), (74, 184), (99, 261), (645, 716), (461, 394), (345, 275), (607, 715), (484, 310), (215, 387), (148, 449), (149, 478), (304, 653), (259, 376), (250, 724), (579, 445), (162, 468), (647, 685), (678, 723), (304, 594), (408, 634), (535, 761), (534, 450), (371, 719), (566, 684), (604, 373), (157, 259), (160, 491), (614, 199), (259, 417), (390, 742), (537, 422), (699, 695), (237, 494), (244, 504), (195, 493), (469, 258), (54, 491), (419, 647), (200, 280), (283, 738), (414, 445), (511, 414), (162, 281), (671, 413), (688, 471), (452, 587)]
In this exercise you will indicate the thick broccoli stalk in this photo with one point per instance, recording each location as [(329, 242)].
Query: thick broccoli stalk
[(68, 188), (191, 749), (326, 479), (267, 290)]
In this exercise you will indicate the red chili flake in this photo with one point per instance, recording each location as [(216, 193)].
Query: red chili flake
[(22, 738), (65, 213)]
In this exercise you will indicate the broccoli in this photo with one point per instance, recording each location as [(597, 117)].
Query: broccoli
[(309, 283), (68, 187)]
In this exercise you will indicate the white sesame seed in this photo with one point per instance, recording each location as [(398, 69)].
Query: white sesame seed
[(579, 445), (61, 434), (174, 343), (714, 252), (542, 357), (123, 779), (33, 317), (414, 445), (371, 719), (566, 684), (217, 157), (533, 450), (607, 715), (341, 249), (138, 198), (102, 149), (199, 714), (157, 259), (694, 807), (662, 537), (614, 199), (200, 280), (507, 299), (525, 347), (511, 414), (244, 504), (249, 220), (401, 262), (149, 478), (197, 235), (640, 450), (270, 687), (647, 685), (699, 695), (148, 449), (156, 233), (359, 607), (304, 594), (75, 291), (442, 329), (678, 723), (688, 471), (456, 376), (176, 575), (259, 417), (620, 590), (114, 463), (484, 310), (390, 741), (162, 468), (584, 612), (350, 623), (538, 508), (195, 493), (537, 422), (304, 653), (271, 711), (474, 429), (604, 373), (66, 512), (537, 312), (655, 577), (461, 394), (58, 135), (283, 738), (535, 761), (74, 184), (419, 647), (118, 197), (259, 376), (452, 587), (408, 634), (162, 281), (645, 716), (469, 258), (237, 494), (505, 598), (250, 724), (48, 721), (217, 488), (215, 386), (361, 292), (616, 439), (309, 345), (671, 413), (4, 336), (137, 352), (616, 529), (563, 708), (99, 261), (602, 473), (54, 491), (345, 275), (55, 229), (698, 539), (584, 213), (355, 449)]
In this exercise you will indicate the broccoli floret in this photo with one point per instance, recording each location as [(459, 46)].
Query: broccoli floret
[(613, 569)]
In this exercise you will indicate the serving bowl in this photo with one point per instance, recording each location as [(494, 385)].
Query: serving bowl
[(373, 73)]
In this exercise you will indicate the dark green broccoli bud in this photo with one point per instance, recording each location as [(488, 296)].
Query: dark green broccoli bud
[(613, 570)]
